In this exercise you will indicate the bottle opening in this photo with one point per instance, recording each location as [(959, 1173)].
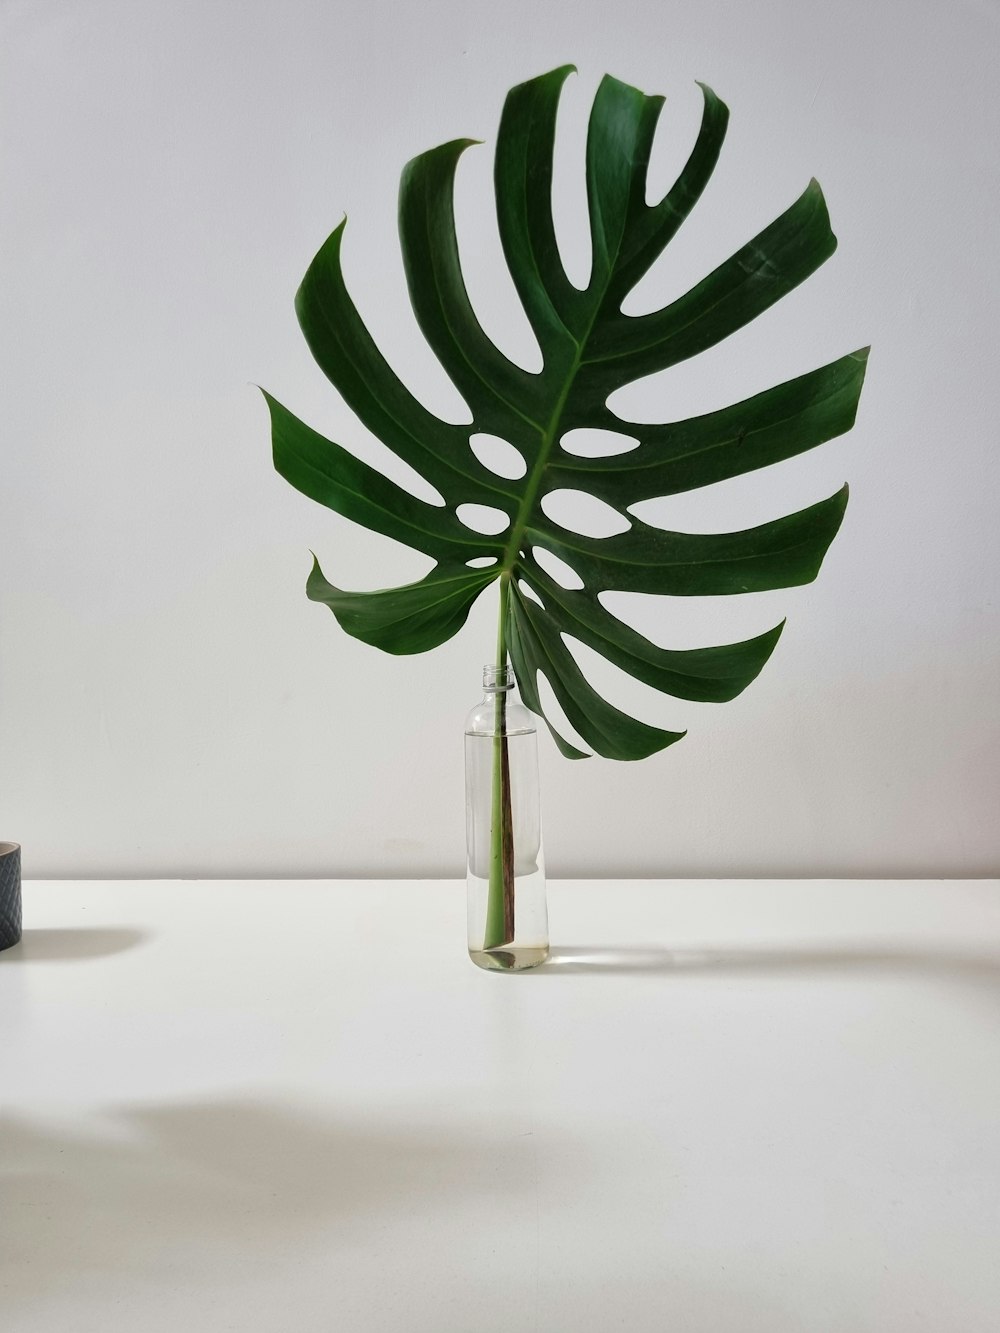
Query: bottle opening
[(497, 678)]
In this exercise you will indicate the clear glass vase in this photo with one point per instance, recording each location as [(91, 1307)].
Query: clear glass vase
[(507, 916)]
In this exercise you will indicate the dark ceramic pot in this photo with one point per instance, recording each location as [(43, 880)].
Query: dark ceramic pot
[(10, 894)]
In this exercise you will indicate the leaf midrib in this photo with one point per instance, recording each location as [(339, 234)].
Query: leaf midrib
[(526, 507)]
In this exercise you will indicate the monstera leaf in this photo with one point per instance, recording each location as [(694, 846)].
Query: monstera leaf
[(589, 349)]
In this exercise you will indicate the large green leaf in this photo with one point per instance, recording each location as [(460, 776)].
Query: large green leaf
[(589, 349)]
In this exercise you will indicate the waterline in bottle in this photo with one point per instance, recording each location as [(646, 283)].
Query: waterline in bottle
[(507, 917)]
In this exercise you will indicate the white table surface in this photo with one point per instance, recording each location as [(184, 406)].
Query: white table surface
[(288, 1107)]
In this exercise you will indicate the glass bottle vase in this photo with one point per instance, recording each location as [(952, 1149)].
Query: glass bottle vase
[(507, 916)]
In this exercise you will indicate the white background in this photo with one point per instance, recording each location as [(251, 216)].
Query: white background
[(171, 702)]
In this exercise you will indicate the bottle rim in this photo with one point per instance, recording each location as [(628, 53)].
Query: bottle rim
[(496, 678)]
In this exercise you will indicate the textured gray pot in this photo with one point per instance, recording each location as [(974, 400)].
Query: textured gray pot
[(10, 894)]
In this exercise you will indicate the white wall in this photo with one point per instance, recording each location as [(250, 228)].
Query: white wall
[(171, 702)]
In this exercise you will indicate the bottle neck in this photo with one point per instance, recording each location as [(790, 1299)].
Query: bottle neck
[(501, 712), (498, 679), (499, 686)]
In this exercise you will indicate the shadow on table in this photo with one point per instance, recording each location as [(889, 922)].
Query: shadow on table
[(791, 959), (126, 1201), (72, 945), (249, 1215)]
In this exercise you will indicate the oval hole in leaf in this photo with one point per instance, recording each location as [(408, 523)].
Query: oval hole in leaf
[(527, 591), (557, 569), (587, 443), (498, 455), (579, 512), (482, 561), (483, 518)]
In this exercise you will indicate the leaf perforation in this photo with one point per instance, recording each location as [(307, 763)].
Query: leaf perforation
[(590, 348)]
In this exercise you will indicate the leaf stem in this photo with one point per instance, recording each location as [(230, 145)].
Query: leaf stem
[(500, 902)]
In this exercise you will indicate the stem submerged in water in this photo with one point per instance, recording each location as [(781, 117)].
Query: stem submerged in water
[(500, 903)]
